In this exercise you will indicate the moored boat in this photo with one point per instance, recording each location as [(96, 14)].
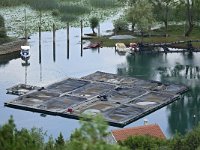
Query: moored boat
[(25, 52), (121, 47)]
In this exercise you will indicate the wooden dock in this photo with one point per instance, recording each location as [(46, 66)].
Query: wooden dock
[(169, 47), (121, 100)]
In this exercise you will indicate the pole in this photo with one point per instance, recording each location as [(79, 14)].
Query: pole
[(54, 43), (39, 44), (67, 40)]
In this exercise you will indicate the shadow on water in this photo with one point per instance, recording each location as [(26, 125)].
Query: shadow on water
[(4, 59), (184, 114), (139, 65)]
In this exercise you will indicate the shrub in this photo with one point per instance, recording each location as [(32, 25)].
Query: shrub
[(120, 25)]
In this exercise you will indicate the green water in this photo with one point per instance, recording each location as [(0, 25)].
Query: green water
[(183, 114), (53, 65)]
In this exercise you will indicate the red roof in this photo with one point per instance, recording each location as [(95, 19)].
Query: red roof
[(151, 130)]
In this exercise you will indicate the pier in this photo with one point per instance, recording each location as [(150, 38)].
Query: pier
[(169, 47), (121, 100)]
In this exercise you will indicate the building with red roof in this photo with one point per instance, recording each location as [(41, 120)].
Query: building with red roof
[(151, 130)]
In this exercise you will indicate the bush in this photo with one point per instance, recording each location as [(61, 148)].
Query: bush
[(120, 25), (144, 142)]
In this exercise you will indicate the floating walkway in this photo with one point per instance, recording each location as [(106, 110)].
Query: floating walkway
[(170, 47), (21, 89), (121, 100)]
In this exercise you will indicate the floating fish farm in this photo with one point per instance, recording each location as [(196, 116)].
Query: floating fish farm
[(120, 99)]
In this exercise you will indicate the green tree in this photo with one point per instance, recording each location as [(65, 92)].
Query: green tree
[(13, 139), (7, 135), (120, 25), (163, 11), (190, 10), (143, 15), (130, 17), (2, 28), (60, 142), (50, 144), (91, 135), (94, 22)]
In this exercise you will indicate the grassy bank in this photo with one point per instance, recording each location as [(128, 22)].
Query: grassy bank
[(156, 36)]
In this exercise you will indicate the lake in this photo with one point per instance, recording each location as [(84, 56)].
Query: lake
[(53, 66)]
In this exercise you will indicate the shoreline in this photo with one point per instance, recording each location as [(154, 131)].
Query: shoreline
[(12, 46)]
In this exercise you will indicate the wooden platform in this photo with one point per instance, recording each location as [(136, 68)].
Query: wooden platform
[(121, 100)]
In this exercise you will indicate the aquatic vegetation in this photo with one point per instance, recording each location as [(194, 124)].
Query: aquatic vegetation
[(103, 3), (69, 18), (73, 9), (9, 3), (43, 4), (52, 11), (70, 13)]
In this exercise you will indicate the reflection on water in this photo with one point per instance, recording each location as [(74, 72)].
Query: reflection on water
[(50, 63), (4, 59), (177, 68), (187, 71), (68, 59)]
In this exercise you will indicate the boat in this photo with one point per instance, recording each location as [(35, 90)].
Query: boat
[(133, 47), (93, 45), (121, 47), (25, 53)]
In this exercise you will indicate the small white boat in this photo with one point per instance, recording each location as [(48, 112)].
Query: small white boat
[(25, 53), (121, 47)]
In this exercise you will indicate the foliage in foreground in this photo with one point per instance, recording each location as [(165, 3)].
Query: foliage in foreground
[(189, 141), (90, 136)]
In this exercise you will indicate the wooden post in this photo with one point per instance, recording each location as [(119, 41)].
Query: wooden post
[(67, 40), (81, 48), (39, 44), (81, 38), (54, 43), (26, 75)]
